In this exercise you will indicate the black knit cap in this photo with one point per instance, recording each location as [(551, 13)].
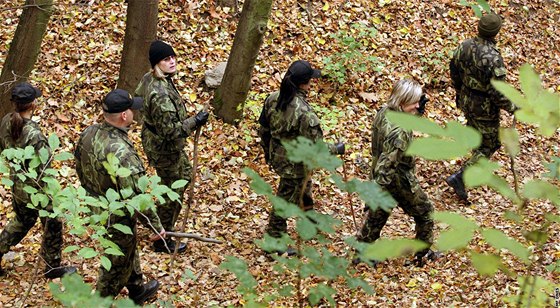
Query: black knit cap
[(160, 50), (120, 100), (489, 25), (301, 72), (24, 93)]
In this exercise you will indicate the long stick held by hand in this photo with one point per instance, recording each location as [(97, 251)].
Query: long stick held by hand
[(190, 196)]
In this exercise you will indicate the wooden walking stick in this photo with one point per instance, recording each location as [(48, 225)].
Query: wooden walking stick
[(345, 178), (190, 196)]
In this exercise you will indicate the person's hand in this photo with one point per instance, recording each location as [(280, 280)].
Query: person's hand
[(422, 104), (201, 118), (158, 236), (340, 148)]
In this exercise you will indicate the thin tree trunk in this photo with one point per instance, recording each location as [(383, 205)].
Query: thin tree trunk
[(24, 48), (141, 29), (231, 95)]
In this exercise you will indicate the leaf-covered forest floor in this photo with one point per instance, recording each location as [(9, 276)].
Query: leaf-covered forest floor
[(79, 64)]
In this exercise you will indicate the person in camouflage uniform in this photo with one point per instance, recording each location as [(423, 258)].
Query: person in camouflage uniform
[(395, 171), (17, 130), (474, 64), (166, 125), (95, 144), (286, 114)]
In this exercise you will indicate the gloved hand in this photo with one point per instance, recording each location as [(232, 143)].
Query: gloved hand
[(422, 104), (201, 118), (340, 148)]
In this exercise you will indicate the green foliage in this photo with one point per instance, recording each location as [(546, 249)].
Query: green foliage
[(77, 293), (460, 234), (453, 141), (479, 7), (354, 53), (538, 106)]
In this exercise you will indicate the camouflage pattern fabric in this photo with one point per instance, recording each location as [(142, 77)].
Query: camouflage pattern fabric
[(166, 125), (395, 172), (474, 64), (25, 217), (289, 190), (298, 119), (95, 143)]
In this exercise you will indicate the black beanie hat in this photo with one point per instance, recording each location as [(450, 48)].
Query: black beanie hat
[(159, 51), (489, 25)]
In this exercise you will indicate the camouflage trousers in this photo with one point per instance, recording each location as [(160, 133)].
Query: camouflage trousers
[(413, 201), (125, 270), (289, 190), (490, 139), (20, 225), (171, 168)]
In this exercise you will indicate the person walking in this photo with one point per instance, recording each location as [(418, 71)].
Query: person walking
[(286, 115), (475, 63), (95, 144), (17, 130), (394, 171), (166, 124)]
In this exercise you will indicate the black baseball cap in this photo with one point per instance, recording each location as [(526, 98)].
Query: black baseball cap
[(301, 72), (24, 93), (120, 100)]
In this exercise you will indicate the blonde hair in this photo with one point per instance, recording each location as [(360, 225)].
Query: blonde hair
[(405, 92), (157, 72)]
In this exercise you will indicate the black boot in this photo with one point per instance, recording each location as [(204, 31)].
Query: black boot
[(421, 257), (160, 247), (358, 260), (456, 182), (57, 272), (139, 294)]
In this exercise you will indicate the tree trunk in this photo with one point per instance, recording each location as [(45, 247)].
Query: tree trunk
[(231, 95), (141, 29), (24, 48)]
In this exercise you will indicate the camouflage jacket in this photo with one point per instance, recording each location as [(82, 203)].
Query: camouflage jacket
[(389, 143), (163, 114), (95, 143), (298, 119), (31, 136), (475, 62)]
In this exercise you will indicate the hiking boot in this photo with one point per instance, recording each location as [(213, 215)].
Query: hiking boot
[(139, 294), (456, 182), (159, 246), (57, 272), (419, 261)]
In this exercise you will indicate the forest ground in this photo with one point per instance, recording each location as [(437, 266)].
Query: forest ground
[(79, 64)]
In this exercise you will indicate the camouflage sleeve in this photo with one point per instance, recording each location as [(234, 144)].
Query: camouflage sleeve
[(499, 73), (264, 131), (166, 121), (39, 142), (393, 155), (310, 127), (455, 72)]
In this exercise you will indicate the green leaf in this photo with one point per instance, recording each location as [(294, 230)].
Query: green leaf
[(499, 240), (510, 138), (70, 249), (553, 168), (123, 172), (257, 183), (143, 183), (484, 264), (384, 249), (461, 233), (87, 253), (241, 271), (179, 184), (321, 291), (63, 156), (114, 251), (44, 155), (105, 262), (482, 173), (306, 229), (7, 182), (54, 142), (124, 229), (370, 192), (539, 189), (530, 82), (455, 140), (314, 155)]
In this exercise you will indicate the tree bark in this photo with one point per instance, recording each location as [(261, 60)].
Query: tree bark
[(24, 48), (231, 95), (141, 29)]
